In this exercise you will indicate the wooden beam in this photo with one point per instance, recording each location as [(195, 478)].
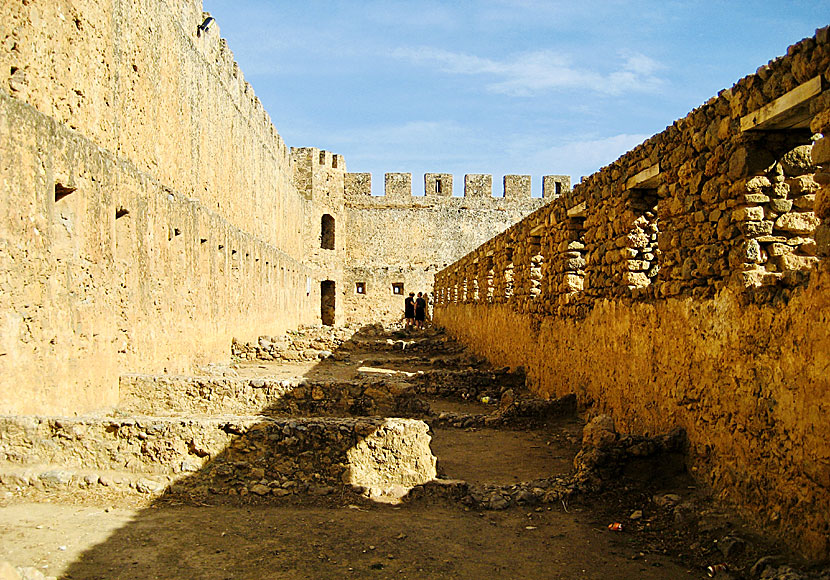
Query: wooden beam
[(577, 211), (789, 111), (648, 178)]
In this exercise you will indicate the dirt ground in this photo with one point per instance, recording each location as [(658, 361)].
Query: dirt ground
[(368, 541)]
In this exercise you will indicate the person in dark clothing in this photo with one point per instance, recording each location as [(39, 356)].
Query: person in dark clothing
[(409, 309), (420, 311)]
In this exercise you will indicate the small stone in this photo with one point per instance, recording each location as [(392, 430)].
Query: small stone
[(56, 477), (636, 515), (145, 485), (600, 432), (498, 503), (798, 161), (667, 500), (780, 205), (756, 198), (260, 489), (731, 546), (805, 202), (190, 465)]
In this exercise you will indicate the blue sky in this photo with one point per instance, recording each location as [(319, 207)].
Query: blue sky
[(497, 86)]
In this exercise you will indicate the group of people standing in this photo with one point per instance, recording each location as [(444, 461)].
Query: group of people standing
[(415, 310)]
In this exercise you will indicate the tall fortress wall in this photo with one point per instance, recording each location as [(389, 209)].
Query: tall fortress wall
[(150, 210), (148, 202)]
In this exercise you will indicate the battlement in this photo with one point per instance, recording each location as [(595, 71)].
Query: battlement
[(314, 157), (398, 186)]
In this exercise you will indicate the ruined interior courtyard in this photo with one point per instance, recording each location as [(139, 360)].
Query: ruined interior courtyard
[(205, 373)]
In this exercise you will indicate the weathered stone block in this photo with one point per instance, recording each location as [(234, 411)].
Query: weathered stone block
[(754, 229), (637, 279), (797, 222), (823, 240), (797, 161), (822, 203), (820, 152), (749, 213), (778, 249), (780, 205), (756, 198)]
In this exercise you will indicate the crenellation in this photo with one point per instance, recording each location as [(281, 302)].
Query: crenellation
[(555, 186), (478, 185), (358, 184), (516, 187), (438, 184), (398, 185)]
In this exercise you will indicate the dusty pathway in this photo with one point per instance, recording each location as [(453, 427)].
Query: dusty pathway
[(243, 542)]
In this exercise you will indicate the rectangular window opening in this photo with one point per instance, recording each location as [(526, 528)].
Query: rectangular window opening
[(360, 288), (322, 157), (438, 186), (397, 288)]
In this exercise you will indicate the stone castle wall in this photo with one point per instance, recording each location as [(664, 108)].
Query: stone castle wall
[(151, 212), (397, 242), (687, 284), (148, 203)]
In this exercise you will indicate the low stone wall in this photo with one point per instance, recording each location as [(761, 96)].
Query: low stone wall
[(260, 455), (686, 284), (183, 395), (468, 384)]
